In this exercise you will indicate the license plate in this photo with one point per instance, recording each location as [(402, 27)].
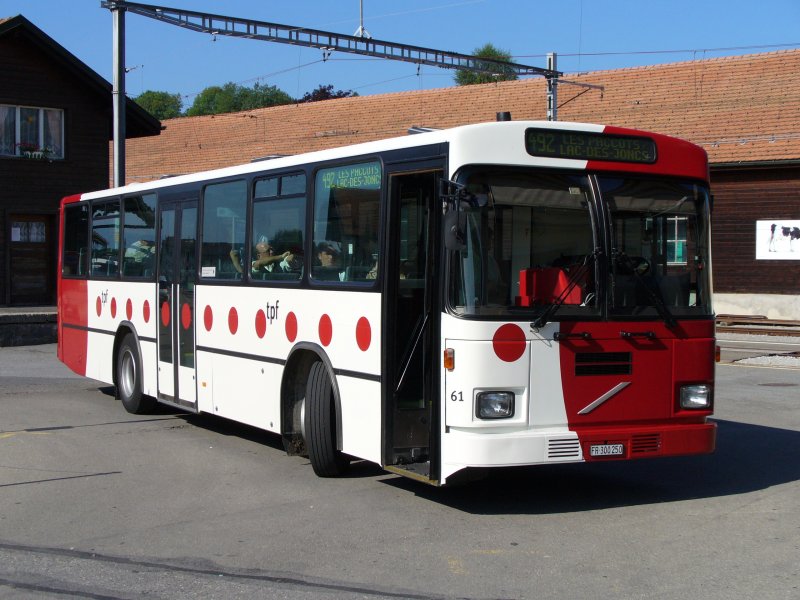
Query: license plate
[(607, 450)]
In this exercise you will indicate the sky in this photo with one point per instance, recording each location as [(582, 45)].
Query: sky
[(586, 35)]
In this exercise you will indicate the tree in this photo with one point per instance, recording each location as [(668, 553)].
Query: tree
[(231, 97), (325, 92), (162, 105), (498, 72)]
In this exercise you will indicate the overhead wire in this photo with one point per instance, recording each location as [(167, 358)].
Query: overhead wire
[(580, 54)]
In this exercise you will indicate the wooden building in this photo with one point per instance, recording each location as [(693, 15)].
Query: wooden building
[(744, 110), (55, 126)]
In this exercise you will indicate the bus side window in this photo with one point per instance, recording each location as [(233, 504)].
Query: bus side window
[(139, 235), (76, 240), (224, 212), (105, 239), (346, 218), (278, 228)]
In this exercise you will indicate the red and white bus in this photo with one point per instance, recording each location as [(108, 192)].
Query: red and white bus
[(498, 294)]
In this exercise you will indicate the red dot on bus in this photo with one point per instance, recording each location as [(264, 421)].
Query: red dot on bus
[(113, 308), (98, 306), (146, 311), (325, 330), (363, 334), (186, 315), (233, 320), (208, 317), (129, 309), (165, 314), (261, 323), (291, 327), (509, 342)]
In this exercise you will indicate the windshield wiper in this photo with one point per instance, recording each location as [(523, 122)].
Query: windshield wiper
[(551, 309), (655, 299)]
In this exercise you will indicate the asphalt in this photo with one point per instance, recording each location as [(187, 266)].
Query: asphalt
[(27, 325)]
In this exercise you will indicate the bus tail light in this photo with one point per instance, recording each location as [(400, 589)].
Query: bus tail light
[(449, 359), (696, 397), (495, 405)]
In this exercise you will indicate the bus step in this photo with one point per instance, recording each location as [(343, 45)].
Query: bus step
[(415, 471)]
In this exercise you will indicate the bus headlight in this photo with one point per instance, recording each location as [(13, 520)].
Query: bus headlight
[(696, 396), (494, 405)]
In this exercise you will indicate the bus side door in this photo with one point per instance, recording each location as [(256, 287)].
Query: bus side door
[(177, 274), (411, 321)]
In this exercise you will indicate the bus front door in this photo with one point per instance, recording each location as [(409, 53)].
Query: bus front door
[(177, 266), (410, 286)]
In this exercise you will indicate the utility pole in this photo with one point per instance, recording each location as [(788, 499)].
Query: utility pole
[(552, 87), (118, 94)]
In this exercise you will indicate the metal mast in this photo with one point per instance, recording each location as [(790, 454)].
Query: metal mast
[(552, 89), (361, 31), (118, 96)]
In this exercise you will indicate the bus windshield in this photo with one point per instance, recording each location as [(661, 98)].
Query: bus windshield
[(537, 245), (658, 263)]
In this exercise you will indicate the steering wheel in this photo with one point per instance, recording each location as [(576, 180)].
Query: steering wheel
[(639, 264), (634, 264)]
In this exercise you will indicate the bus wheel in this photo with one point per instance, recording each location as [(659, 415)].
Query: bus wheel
[(129, 378), (320, 424)]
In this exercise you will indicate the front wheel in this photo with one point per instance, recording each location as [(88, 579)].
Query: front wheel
[(320, 425), (129, 378)]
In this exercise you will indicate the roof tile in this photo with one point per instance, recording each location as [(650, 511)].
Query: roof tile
[(740, 109)]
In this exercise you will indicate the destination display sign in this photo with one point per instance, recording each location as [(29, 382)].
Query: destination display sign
[(365, 176), (582, 145)]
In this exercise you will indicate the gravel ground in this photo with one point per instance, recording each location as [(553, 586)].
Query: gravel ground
[(782, 360)]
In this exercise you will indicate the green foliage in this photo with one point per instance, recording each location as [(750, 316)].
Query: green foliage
[(498, 72), (231, 97), (325, 92), (161, 105)]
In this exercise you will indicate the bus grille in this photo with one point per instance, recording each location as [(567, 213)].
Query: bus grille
[(641, 444), (603, 363), (563, 448)]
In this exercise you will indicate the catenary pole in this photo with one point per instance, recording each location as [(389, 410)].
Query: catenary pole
[(118, 94)]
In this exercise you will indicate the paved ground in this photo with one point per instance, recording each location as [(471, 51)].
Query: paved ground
[(97, 503)]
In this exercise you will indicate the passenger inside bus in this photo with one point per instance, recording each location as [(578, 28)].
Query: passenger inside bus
[(329, 255), (265, 260)]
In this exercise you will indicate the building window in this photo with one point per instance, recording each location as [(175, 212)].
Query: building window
[(676, 240), (31, 131)]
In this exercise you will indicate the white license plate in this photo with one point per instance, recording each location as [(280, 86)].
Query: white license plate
[(607, 450)]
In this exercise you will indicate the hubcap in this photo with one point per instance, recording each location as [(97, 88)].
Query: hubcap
[(127, 374)]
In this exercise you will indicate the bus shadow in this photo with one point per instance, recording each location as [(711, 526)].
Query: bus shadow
[(748, 458), (358, 468), (226, 427)]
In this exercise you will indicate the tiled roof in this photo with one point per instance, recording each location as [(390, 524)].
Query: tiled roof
[(741, 109)]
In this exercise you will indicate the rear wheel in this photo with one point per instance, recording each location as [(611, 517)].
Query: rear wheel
[(129, 378), (320, 424)]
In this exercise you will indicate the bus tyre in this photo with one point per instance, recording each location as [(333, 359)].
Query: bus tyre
[(320, 425), (129, 378)]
